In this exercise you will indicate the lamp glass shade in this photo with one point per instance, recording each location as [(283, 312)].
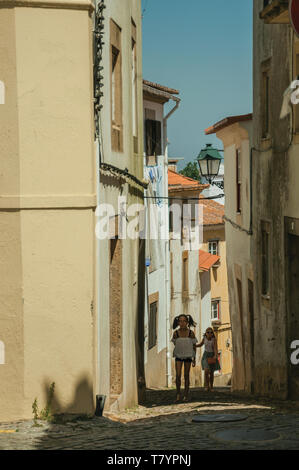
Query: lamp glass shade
[(214, 166), (203, 165)]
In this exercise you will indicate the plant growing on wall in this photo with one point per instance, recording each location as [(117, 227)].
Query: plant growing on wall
[(46, 413)]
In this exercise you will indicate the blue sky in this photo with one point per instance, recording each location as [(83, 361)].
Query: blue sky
[(204, 49)]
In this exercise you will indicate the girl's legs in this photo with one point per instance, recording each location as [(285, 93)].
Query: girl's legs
[(211, 379), (207, 379), (178, 370), (187, 367)]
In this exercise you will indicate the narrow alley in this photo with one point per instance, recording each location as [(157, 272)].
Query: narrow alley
[(149, 226)]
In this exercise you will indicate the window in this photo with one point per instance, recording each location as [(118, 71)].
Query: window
[(265, 258), (238, 180), (134, 89), (116, 88), (151, 160), (265, 102), (153, 137), (170, 221), (214, 247), (152, 327), (215, 310), (185, 277)]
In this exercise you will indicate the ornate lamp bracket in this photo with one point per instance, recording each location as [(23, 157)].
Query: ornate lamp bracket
[(97, 63)]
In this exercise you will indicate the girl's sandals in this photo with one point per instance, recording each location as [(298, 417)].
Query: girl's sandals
[(185, 399), (178, 399)]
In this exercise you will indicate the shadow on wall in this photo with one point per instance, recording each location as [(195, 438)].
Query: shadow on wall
[(215, 274), (64, 418), (81, 403), (139, 327)]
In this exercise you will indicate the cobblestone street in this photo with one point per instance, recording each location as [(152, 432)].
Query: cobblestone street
[(162, 425)]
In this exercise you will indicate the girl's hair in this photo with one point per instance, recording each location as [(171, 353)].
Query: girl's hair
[(189, 319), (210, 328)]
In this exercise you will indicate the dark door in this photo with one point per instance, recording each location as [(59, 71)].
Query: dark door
[(293, 310), (251, 330)]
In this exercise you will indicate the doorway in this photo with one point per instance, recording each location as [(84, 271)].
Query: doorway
[(292, 277), (116, 346)]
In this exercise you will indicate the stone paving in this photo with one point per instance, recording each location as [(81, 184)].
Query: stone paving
[(162, 425)]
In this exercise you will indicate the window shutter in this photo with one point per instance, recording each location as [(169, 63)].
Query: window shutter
[(158, 146), (153, 134), (148, 137)]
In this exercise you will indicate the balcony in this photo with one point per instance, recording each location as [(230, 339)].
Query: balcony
[(275, 12)]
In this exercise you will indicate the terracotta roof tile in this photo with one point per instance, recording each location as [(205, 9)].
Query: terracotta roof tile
[(206, 260), (213, 212), (177, 181)]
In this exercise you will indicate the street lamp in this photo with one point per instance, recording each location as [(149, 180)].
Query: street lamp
[(209, 161)]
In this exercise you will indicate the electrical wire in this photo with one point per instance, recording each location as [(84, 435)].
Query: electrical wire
[(249, 232), (186, 198)]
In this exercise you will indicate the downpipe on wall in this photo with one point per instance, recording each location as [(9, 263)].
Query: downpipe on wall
[(98, 34), (167, 260)]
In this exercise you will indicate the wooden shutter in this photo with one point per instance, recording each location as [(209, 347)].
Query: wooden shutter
[(153, 133), (157, 138), (148, 137)]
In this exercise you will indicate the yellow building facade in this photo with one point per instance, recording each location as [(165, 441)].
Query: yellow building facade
[(47, 203), (214, 242), (71, 303)]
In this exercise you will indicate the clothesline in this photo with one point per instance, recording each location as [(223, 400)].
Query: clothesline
[(219, 196)]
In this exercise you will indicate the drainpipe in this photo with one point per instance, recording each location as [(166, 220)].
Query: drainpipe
[(98, 273), (167, 260)]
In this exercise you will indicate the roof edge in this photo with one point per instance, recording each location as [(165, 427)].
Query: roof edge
[(228, 121), (171, 91)]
